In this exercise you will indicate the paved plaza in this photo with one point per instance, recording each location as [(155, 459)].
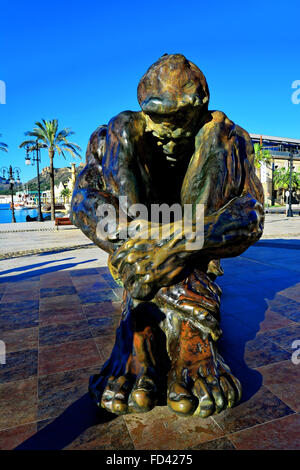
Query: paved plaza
[(58, 313)]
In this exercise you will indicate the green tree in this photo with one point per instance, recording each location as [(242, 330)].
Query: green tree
[(66, 194), (282, 179), (3, 146), (54, 140), (262, 155)]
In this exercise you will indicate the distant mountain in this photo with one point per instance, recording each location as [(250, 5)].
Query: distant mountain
[(60, 175), (4, 187)]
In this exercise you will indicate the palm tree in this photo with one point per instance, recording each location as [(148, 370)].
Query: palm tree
[(66, 194), (282, 179), (55, 141), (3, 146), (262, 155)]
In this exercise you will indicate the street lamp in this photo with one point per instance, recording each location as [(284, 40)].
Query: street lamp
[(290, 211), (274, 167), (9, 175), (30, 148)]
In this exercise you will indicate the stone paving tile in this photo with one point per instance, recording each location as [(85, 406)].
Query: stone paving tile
[(61, 275), (256, 332), (55, 282), (19, 365), (18, 402), (113, 435), (54, 334), (161, 429), (23, 286), (55, 291), (60, 390), (273, 321), (260, 351), (217, 444), (103, 309), (89, 282), (283, 379), (103, 326), (292, 292), (12, 437), (97, 296), (97, 286), (85, 272), (59, 300), (68, 356), (247, 346), (280, 434), (284, 337), (105, 345), (19, 296), (3, 288), (262, 407), (18, 315), (60, 314), (18, 340), (289, 308), (43, 423)]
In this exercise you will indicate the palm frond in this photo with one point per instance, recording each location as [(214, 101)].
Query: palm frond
[(52, 138), (3, 146)]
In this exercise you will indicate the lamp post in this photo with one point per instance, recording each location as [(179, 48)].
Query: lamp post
[(290, 211), (274, 167), (9, 174), (37, 159)]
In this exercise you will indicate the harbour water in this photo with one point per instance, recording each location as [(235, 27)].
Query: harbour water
[(20, 214)]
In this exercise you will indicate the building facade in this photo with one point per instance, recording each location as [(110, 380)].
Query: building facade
[(281, 150)]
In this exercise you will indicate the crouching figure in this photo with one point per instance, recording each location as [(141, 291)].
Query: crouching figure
[(176, 154)]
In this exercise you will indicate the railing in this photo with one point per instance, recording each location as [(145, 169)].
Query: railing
[(284, 153)]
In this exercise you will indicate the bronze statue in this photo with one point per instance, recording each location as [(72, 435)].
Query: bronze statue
[(174, 151)]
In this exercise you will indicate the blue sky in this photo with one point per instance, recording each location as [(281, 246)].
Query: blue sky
[(80, 62)]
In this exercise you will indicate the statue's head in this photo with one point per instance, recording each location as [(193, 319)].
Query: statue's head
[(173, 90)]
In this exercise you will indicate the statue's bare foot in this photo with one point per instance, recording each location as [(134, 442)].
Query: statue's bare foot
[(200, 383), (128, 394), (135, 388)]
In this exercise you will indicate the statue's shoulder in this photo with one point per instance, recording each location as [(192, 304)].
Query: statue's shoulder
[(219, 120), (126, 121)]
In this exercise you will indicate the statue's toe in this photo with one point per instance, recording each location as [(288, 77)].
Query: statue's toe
[(115, 395), (180, 400), (143, 396)]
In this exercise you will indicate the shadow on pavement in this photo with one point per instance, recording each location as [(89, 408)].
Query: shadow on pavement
[(35, 273), (249, 282), (78, 417), (32, 266)]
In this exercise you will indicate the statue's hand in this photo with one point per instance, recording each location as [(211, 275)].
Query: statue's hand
[(146, 265)]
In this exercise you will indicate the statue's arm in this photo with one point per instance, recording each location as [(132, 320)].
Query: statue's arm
[(146, 265), (108, 174)]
